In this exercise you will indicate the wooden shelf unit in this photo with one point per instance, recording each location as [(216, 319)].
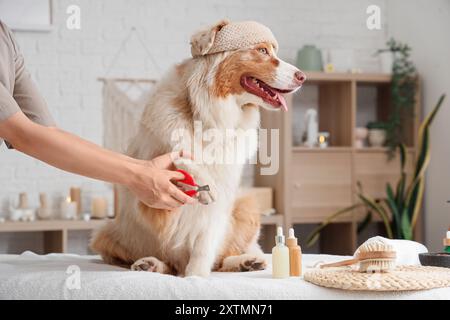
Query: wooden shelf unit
[(313, 183), (55, 232)]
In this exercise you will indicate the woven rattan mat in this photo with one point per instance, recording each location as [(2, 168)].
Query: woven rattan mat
[(402, 278)]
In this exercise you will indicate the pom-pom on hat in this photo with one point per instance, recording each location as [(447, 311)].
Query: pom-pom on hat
[(228, 36)]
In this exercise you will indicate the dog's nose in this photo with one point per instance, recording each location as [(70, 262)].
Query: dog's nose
[(299, 77)]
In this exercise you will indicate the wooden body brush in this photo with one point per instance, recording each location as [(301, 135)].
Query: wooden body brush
[(374, 255)]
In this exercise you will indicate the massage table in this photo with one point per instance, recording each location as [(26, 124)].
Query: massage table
[(70, 276)]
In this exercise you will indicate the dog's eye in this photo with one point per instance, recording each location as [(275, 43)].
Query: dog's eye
[(263, 51)]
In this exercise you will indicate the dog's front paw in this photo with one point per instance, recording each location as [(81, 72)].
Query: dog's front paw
[(243, 263), (207, 197), (252, 264), (149, 264)]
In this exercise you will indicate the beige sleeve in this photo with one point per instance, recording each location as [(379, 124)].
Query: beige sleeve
[(20, 93), (28, 97), (8, 106), (26, 93)]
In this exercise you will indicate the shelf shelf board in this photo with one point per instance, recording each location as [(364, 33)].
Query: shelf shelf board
[(50, 225), (344, 149), (339, 76), (317, 220), (276, 219), (324, 150), (378, 149)]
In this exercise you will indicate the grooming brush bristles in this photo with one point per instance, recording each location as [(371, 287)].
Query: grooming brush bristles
[(376, 265), (376, 255)]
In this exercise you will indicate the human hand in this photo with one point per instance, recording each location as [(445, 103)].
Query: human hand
[(152, 183)]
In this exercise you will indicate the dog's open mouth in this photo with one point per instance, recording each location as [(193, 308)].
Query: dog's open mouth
[(269, 94)]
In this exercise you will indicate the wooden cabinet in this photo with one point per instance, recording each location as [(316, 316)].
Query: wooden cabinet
[(319, 184), (374, 172), (313, 183)]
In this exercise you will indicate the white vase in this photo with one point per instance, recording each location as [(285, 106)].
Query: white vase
[(377, 137), (15, 214), (44, 213), (312, 127)]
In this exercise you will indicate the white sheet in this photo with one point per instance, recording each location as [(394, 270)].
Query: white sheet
[(31, 276)]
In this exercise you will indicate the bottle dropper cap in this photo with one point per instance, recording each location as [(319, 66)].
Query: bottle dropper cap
[(291, 233), (279, 238), (291, 240)]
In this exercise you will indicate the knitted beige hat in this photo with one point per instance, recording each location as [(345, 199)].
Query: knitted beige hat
[(227, 36)]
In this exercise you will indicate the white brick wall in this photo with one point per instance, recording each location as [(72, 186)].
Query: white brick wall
[(66, 63)]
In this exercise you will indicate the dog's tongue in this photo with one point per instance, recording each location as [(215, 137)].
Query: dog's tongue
[(283, 101)]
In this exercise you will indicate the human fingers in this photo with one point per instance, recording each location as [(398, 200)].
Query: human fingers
[(171, 202), (174, 175), (181, 196)]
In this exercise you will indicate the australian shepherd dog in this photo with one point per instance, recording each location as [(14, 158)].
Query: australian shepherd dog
[(219, 232)]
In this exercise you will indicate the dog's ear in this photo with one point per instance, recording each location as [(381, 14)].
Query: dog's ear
[(202, 41)]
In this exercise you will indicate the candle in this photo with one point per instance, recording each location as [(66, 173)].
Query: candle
[(44, 211), (99, 208), (75, 196), (23, 201), (322, 139), (68, 209)]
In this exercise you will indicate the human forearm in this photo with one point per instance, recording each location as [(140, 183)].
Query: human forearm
[(151, 181), (106, 151), (68, 152)]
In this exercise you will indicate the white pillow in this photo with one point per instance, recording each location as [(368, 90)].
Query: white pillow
[(407, 250)]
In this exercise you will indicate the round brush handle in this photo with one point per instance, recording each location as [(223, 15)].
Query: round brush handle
[(340, 263)]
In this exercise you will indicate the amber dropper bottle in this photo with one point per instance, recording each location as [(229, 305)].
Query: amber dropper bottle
[(295, 255)]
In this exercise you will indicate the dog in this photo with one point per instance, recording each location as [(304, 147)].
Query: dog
[(222, 87)]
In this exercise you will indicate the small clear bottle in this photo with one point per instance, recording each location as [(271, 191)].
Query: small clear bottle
[(280, 256)]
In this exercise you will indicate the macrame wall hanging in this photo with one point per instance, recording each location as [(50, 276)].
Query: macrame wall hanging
[(124, 100)]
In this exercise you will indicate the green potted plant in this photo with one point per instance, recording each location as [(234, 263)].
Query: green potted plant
[(403, 92), (400, 209)]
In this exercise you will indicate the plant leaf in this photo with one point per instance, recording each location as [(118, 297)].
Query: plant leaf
[(414, 213), (381, 212), (363, 224), (314, 235), (406, 226), (359, 186), (392, 205), (400, 192), (415, 190), (423, 135), (402, 150)]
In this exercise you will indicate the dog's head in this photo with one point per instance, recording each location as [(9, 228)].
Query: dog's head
[(246, 65)]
